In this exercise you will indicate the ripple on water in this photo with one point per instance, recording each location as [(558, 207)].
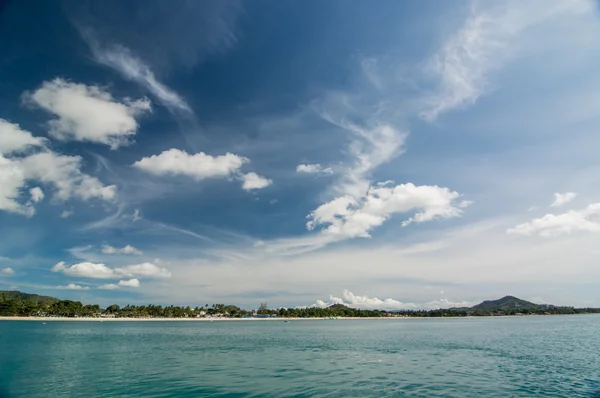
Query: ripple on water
[(501, 357)]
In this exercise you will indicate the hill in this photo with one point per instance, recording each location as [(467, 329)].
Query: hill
[(505, 303), (338, 307), (13, 295)]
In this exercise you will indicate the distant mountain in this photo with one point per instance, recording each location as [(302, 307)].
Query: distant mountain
[(13, 294), (338, 307), (505, 303)]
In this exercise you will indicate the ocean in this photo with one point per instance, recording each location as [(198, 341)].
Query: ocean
[(551, 356)]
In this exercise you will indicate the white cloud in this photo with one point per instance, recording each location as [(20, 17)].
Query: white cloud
[(314, 169), (464, 63), (120, 59), (584, 220), (88, 269), (37, 194), (85, 270), (144, 270), (14, 139), (254, 181), (73, 286), (66, 214), (109, 286), (106, 249), (12, 180), (136, 215), (64, 173), (352, 300), (7, 271), (88, 113), (129, 283), (371, 148), (349, 218), (198, 166), (562, 198), (484, 44)]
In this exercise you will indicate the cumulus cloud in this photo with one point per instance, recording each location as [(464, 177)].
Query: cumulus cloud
[(7, 271), (12, 180), (73, 286), (563, 198), (132, 68), (352, 300), (37, 194), (122, 283), (370, 148), (85, 270), (348, 217), (314, 169), (129, 283), (66, 214), (584, 220), (145, 270), (198, 166), (88, 269), (254, 181), (128, 249), (64, 173), (14, 139), (359, 204), (88, 113)]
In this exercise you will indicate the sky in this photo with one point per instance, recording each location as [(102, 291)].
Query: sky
[(412, 155)]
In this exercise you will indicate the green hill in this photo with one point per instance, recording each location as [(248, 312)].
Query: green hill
[(505, 303), (13, 294)]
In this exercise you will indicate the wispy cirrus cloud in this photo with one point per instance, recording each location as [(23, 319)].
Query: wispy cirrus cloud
[(314, 169), (483, 45), (132, 68), (73, 286)]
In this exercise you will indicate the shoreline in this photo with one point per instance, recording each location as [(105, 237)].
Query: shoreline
[(100, 320), (69, 319)]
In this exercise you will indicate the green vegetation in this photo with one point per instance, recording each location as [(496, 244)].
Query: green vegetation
[(23, 304), (507, 303)]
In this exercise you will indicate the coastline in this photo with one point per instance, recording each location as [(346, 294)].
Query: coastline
[(68, 319)]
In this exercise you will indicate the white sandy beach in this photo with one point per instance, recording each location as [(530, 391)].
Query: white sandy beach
[(67, 319)]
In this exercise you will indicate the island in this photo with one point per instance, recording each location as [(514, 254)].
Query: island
[(19, 305)]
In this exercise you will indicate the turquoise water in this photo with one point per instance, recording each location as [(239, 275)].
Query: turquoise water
[(489, 357)]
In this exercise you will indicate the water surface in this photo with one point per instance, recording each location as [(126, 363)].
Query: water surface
[(554, 356)]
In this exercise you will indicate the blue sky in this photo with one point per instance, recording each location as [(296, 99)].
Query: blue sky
[(416, 154)]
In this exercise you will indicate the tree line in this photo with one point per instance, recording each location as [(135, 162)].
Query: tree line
[(68, 308)]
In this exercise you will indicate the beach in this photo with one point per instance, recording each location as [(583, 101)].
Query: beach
[(82, 319)]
